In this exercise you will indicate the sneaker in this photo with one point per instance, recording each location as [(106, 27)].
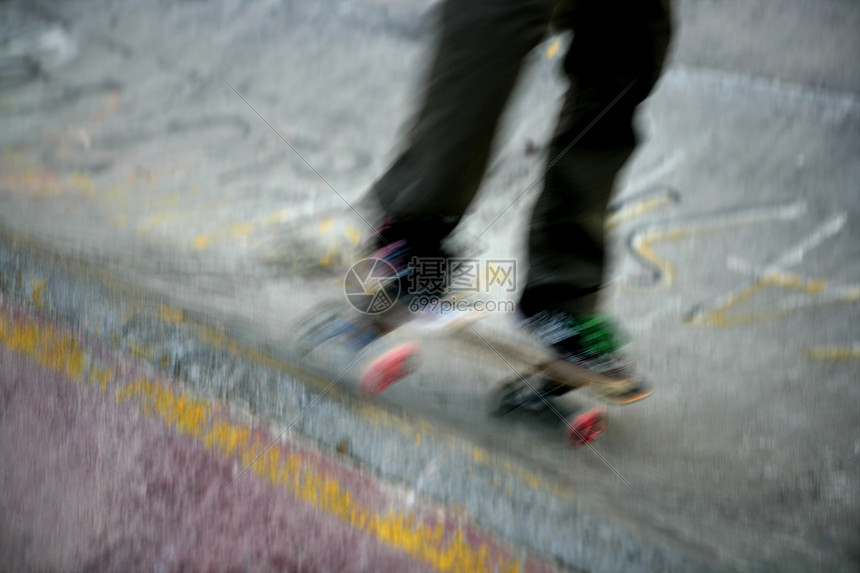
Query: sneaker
[(588, 341), (416, 265)]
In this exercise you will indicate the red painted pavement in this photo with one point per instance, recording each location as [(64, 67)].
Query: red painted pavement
[(89, 485)]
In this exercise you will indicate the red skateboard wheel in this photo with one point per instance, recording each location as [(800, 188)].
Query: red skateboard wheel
[(390, 368), (587, 427)]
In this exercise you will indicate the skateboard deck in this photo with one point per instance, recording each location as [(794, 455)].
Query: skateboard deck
[(538, 374), (528, 359), (533, 366)]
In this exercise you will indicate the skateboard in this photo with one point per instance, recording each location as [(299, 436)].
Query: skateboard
[(538, 374)]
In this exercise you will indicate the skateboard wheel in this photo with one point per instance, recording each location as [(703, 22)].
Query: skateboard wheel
[(519, 392), (503, 398), (587, 427), (390, 368)]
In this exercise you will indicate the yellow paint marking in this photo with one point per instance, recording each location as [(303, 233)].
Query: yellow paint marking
[(553, 49), (220, 341), (165, 217), (101, 377), (141, 352), (331, 258), (644, 246), (275, 217), (482, 457), (422, 541), (39, 295), (720, 317), (170, 315), (788, 280), (325, 225), (643, 242), (54, 349), (48, 347), (153, 221), (241, 230), (834, 353), (200, 242), (353, 235), (637, 210)]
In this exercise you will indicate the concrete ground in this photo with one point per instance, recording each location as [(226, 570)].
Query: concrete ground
[(140, 148)]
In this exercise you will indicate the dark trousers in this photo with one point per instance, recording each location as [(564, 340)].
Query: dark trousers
[(615, 57)]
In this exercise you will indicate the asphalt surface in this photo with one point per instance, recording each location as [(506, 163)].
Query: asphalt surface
[(147, 148)]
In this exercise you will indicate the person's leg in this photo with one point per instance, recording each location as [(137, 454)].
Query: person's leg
[(481, 46), (614, 60)]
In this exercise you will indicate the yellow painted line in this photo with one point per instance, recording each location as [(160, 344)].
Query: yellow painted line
[(426, 542), (50, 348), (39, 294), (485, 458), (156, 220), (170, 315), (720, 316), (790, 280), (636, 210), (54, 349), (644, 247), (238, 230), (200, 242), (133, 194), (415, 427), (643, 242), (276, 217), (352, 234), (553, 49), (834, 353), (445, 551)]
